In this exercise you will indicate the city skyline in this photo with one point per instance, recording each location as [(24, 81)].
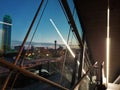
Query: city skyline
[(22, 13)]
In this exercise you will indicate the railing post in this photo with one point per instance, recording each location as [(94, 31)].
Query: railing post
[(75, 67), (82, 50), (76, 86)]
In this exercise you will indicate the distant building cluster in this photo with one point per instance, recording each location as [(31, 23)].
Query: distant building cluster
[(41, 52), (5, 34), (32, 52)]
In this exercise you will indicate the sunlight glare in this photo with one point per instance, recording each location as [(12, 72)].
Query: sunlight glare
[(5, 23), (68, 47)]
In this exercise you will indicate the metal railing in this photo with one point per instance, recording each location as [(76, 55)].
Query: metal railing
[(76, 86), (30, 74)]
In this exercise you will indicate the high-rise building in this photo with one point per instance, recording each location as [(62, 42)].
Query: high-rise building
[(1, 48), (6, 33)]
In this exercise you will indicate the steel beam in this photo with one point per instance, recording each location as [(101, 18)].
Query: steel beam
[(23, 43), (75, 30), (30, 74), (71, 20)]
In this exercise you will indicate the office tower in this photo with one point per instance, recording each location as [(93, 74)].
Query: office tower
[(1, 48), (6, 33)]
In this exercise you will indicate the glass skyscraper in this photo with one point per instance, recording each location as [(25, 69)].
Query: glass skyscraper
[(1, 41), (6, 33)]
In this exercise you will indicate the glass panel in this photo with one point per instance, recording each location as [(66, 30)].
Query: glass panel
[(84, 84), (75, 17), (50, 48)]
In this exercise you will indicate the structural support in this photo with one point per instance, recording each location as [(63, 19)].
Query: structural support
[(82, 56), (75, 30), (74, 76), (30, 74), (71, 20), (76, 87), (22, 46)]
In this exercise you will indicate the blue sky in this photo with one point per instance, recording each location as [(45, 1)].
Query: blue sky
[(22, 13)]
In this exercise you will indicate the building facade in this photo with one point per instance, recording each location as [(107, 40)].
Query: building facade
[(1, 48), (6, 27)]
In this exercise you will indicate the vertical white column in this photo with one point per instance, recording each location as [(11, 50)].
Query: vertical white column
[(108, 44)]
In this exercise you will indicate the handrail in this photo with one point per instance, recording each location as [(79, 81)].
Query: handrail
[(30, 74), (80, 80)]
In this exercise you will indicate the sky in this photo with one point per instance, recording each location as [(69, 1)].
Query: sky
[(22, 13)]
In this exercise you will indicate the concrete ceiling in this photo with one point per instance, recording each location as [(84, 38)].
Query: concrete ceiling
[(93, 14)]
